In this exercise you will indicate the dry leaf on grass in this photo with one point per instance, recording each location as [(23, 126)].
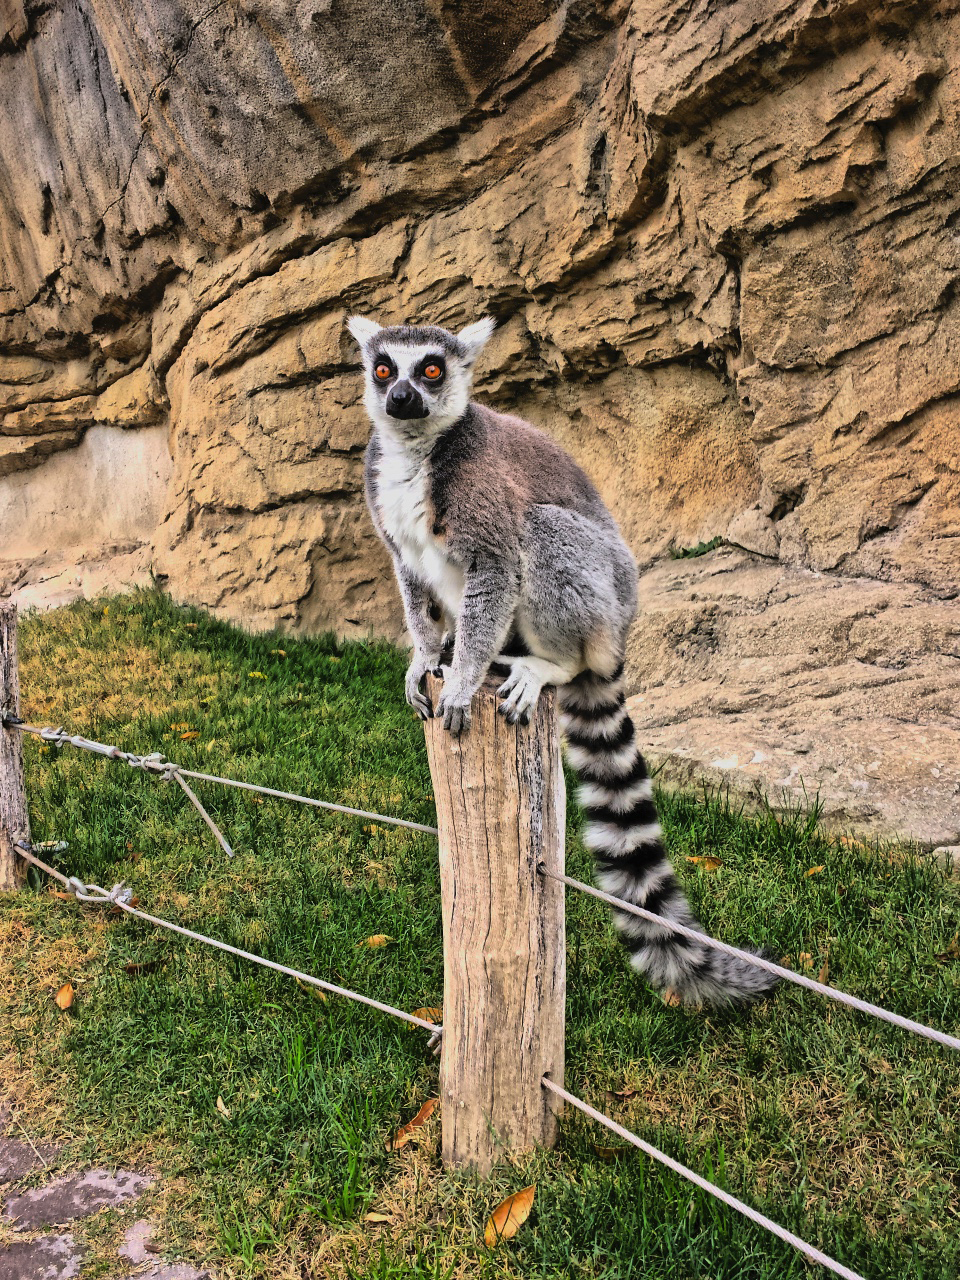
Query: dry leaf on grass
[(611, 1153), (118, 911), (707, 863), (64, 997), (952, 952), (509, 1216), (191, 733), (824, 973), (409, 1131), (851, 843), (428, 1015), (223, 1108), (377, 940), (814, 871), (377, 1217), (144, 966), (60, 893)]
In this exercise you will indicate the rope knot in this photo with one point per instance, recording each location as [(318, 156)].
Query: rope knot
[(142, 762)]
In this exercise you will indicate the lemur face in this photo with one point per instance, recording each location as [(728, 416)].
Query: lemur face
[(418, 378)]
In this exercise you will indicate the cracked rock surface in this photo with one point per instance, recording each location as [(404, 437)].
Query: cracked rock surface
[(723, 242), (75, 1195), (72, 1197)]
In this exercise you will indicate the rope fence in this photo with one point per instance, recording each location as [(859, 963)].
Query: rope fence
[(120, 897), (167, 771), (832, 993), (808, 1250)]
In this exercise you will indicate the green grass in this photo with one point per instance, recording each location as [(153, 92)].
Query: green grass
[(842, 1129)]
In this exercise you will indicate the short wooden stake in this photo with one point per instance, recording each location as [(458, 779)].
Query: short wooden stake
[(14, 823), (500, 810)]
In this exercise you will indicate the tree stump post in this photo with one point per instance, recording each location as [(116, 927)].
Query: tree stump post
[(501, 808), (14, 823)]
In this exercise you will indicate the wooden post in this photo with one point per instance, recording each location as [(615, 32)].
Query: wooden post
[(14, 824), (500, 810)]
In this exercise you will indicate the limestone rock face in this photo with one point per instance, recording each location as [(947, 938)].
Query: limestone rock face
[(722, 240)]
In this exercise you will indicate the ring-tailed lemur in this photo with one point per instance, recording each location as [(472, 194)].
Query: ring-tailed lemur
[(499, 537)]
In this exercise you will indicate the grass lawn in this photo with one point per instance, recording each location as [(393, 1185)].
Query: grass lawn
[(842, 1129)]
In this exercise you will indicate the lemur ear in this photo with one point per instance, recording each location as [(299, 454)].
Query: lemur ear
[(362, 329), (476, 336)]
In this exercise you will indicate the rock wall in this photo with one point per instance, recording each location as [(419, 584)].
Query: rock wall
[(723, 242)]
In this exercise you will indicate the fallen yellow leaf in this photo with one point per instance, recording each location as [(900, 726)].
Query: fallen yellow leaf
[(409, 1130), (377, 940), (257, 675), (377, 1217), (824, 973), (813, 871), (708, 864), (428, 1015), (191, 733), (851, 843), (509, 1216), (223, 1108), (64, 997), (278, 653)]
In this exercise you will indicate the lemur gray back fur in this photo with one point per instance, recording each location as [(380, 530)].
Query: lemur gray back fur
[(502, 545)]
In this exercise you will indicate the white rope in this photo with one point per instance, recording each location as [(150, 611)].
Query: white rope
[(782, 1233), (120, 897), (174, 773), (905, 1024), (156, 765)]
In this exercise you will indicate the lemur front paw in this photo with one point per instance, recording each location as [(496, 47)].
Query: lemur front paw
[(418, 668), (454, 705)]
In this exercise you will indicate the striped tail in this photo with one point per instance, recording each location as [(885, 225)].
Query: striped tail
[(625, 837)]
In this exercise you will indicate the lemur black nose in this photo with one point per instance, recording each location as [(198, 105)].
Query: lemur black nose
[(405, 401)]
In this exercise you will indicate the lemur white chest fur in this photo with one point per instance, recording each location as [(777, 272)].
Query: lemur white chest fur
[(402, 478)]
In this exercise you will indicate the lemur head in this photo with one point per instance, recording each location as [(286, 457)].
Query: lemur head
[(418, 379)]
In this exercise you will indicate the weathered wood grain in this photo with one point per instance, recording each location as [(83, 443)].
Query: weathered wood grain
[(14, 823), (500, 810)]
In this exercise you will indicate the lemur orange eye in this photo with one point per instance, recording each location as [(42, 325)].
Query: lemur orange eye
[(432, 372), (382, 372)]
